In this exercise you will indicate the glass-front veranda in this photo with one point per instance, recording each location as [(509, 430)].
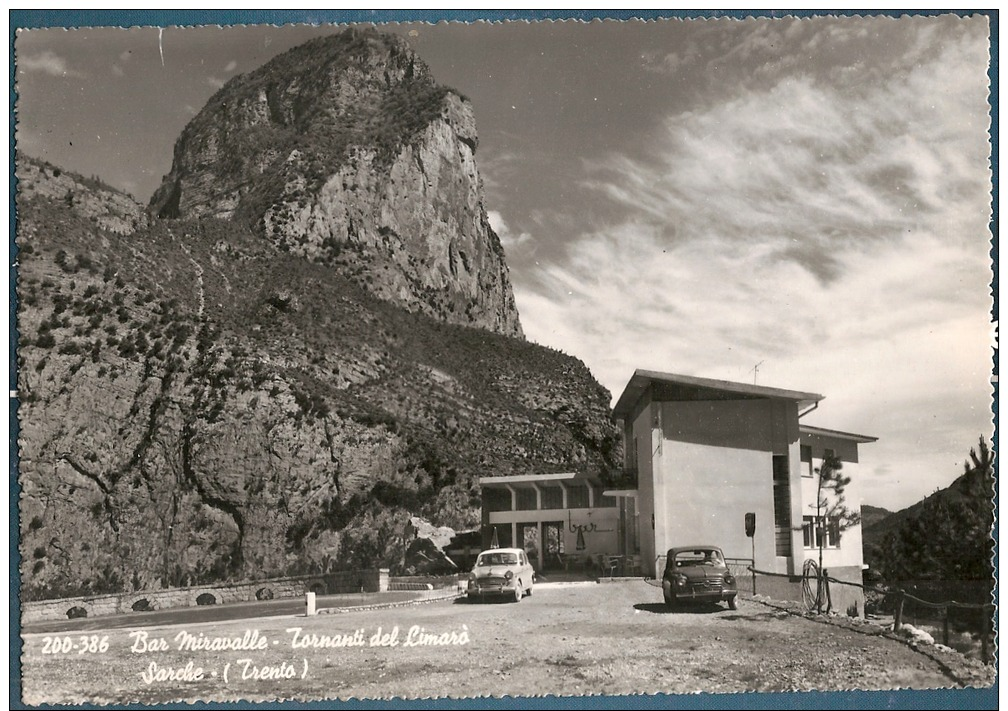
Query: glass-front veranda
[(563, 522)]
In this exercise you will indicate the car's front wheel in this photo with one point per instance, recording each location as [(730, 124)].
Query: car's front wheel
[(732, 604), (518, 591), (667, 594)]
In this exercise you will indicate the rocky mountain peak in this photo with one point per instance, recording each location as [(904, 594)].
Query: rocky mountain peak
[(345, 151)]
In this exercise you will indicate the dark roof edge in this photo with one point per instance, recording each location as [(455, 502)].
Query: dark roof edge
[(863, 439), (642, 378)]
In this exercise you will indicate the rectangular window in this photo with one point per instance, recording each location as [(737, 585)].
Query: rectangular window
[(782, 505), (497, 499), (577, 496), (830, 533), (780, 468), (806, 458), (552, 497), (526, 499)]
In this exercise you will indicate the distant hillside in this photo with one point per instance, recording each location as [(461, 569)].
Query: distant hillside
[(871, 515), (945, 536)]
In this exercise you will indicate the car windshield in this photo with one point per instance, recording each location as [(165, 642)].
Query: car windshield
[(700, 556), (497, 559)]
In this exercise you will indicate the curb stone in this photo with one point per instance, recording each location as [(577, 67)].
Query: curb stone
[(386, 605)]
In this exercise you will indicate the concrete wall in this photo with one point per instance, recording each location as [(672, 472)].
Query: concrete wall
[(374, 580), (850, 551), (649, 504), (713, 465), (703, 464)]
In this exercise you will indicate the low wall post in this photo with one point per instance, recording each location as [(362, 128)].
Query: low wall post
[(309, 604), (898, 616)]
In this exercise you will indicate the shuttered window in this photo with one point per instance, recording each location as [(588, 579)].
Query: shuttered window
[(782, 505)]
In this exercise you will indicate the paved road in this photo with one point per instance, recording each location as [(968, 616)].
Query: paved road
[(597, 639)]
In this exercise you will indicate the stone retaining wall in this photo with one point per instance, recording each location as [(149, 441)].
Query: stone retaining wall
[(372, 580)]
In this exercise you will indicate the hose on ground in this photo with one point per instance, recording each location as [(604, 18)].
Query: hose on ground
[(820, 598)]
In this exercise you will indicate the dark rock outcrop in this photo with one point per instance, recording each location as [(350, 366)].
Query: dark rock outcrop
[(345, 151)]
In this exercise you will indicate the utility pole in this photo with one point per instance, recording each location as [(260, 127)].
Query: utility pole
[(755, 371)]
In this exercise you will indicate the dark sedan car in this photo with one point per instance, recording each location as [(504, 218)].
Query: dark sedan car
[(698, 574)]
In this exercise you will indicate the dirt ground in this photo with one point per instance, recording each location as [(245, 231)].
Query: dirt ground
[(565, 640)]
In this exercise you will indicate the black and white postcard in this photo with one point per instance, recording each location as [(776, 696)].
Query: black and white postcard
[(481, 360)]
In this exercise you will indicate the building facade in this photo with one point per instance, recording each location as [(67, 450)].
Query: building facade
[(701, 454), (563, 521)]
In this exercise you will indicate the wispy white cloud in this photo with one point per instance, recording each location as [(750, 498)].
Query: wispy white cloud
[(833, 229), (231, 66), (671, 63), (47, 62), (215, 82), (508, 238), (117, 70)]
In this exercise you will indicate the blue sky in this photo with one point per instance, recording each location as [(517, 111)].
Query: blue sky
[(699, 197)]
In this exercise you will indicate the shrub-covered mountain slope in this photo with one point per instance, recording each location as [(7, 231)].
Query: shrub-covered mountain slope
[(344, 150), (198, 405), (210, 394)]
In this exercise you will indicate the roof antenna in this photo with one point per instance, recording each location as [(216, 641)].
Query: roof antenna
[(755, 371)]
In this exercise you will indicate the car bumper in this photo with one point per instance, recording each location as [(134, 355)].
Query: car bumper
[(491, 590), (701, 595)]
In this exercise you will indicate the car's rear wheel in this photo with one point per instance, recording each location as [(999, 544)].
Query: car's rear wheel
[(518, 591), (732, 604), (529, 591)]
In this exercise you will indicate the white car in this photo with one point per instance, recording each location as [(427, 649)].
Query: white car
[(501, 572)]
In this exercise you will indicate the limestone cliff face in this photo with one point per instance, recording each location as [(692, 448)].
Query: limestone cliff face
[(198, 405), (346, 152)]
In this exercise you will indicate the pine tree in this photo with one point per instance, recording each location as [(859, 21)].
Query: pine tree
[(832, 515)]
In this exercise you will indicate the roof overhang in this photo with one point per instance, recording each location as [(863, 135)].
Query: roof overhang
[(688, 387), (823, 432), (564, 477), (617, 493)]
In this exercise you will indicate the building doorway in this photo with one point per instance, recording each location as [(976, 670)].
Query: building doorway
[(553, 545), (528, 538)]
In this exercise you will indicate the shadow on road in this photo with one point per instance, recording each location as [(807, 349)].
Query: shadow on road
[(502, 600), (660, 608)]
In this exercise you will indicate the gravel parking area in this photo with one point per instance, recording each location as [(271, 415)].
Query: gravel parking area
[(565, 640)]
